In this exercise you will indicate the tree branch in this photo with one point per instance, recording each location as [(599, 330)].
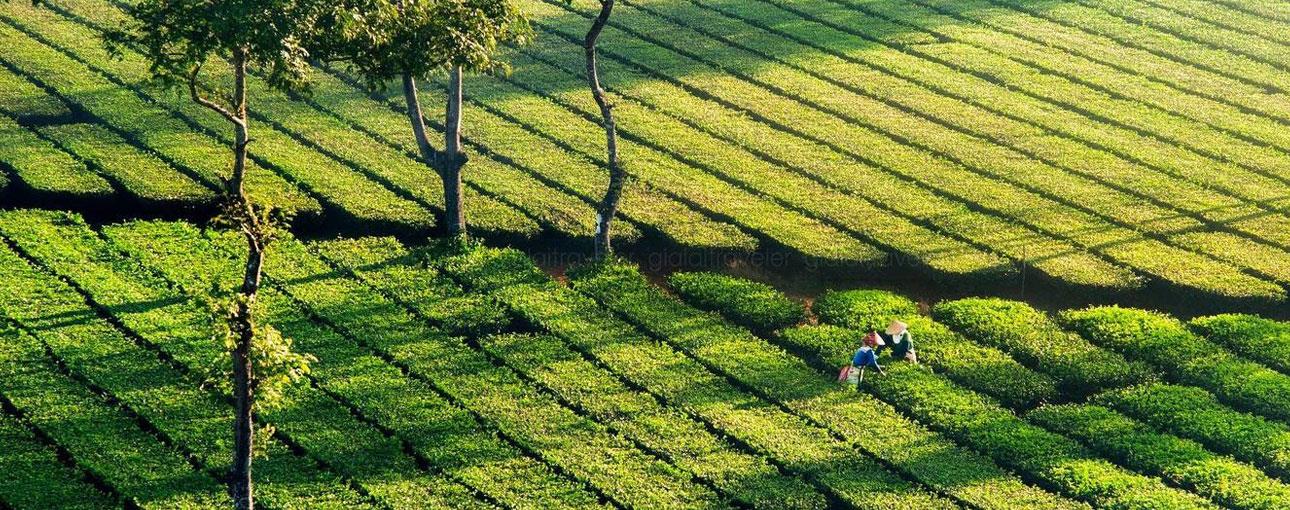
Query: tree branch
[(201, 100)]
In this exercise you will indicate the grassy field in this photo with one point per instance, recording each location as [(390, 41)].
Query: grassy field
[(1103, 146), (1117, 151)]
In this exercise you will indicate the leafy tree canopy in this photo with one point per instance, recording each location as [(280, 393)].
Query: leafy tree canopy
[(178, 37), (385, 39)]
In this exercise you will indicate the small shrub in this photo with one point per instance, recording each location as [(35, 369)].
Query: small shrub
[(1263, 340), (755, 305), (863, 309)]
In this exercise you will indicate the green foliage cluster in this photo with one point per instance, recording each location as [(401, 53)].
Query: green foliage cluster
[(1167, 344), (833, 344), (1181, 462), (384, 40), (1081, 368), (1264, 340), (405, 275), (862, 309), (34, 476), (1194, 413), (179, 38), (754, 305), (277, 366), (1055, 460)]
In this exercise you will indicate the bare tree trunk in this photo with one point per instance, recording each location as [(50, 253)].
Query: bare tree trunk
[(454, 160), (608, 207), (240, 485), (447, 164), (417, 120)]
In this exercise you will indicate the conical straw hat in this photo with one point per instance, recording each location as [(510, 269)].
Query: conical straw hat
[(896, 328)]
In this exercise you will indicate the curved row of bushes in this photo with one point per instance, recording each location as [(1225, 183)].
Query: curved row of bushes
[(1167, 344), (754, 305), (1179, 461), (1030, 336), (1195, 414), (1263, 340)]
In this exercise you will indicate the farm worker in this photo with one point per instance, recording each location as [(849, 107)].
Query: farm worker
[(864, 357), (902, 345)]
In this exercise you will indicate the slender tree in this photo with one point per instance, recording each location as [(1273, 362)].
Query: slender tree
[(410, 40), (608, 206), (196, 45)]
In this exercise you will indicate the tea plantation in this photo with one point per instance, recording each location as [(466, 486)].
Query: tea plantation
[(1125, 151)]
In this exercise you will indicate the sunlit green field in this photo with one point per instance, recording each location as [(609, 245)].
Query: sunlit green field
[(1097, 144), (455, 377), (1122, 150)]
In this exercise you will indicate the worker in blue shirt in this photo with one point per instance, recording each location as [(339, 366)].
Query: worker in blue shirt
[(864, 357)]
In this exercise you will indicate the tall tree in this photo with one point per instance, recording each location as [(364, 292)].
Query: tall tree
[(409, 40), (608, 206), (186, 42)]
